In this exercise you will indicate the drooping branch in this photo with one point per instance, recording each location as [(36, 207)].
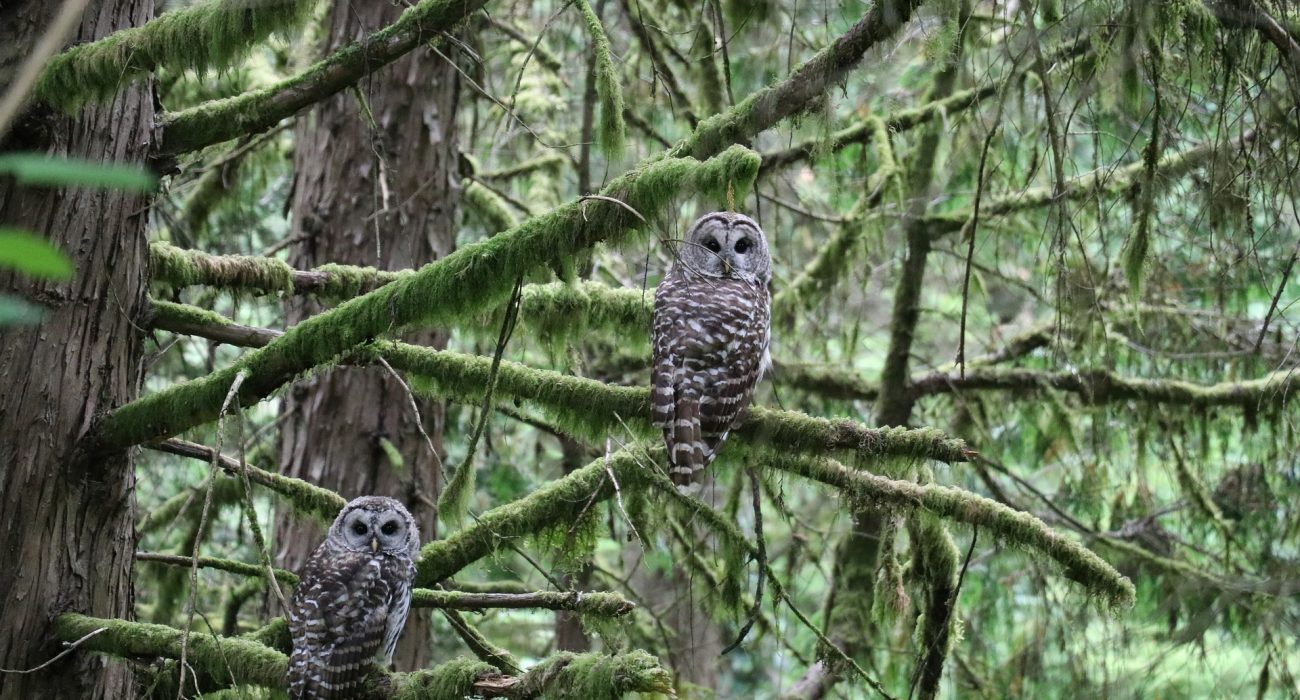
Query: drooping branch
[(476, 277), (1168, 169), (207, 35), (866, 132), (1014, 527), (258, 110), (798, 91), (1102, 386)]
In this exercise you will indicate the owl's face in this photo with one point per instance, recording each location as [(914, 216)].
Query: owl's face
[(376, 524), (723, 244)]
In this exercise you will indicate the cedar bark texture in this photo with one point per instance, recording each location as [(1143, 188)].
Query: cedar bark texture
[(386, 198), (67, 519)]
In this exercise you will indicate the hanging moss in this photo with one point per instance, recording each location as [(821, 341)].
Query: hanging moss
[(348, 281), (475, 277), (1139, 243), (935, 563), (798, 91), (1014, 527), (611, 132), (488, 206), (594, 410), (560, 311), (548, 505), (207, 35), (601, 604), (258, 110)]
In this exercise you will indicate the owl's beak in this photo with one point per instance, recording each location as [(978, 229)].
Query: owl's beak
[(374, 544), (726, 267)]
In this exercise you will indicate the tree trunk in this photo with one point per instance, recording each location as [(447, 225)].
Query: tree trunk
[(68, 520), (384, 197)]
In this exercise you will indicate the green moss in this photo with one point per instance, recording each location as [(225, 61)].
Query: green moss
[(489, 207), (183, 268), (258, 110), (209, 655), (1011, 526), (611, 132), (453, 680), (935, 564), (547, 506), (475, 277), (204, 36)]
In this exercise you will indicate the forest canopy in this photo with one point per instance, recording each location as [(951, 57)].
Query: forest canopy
[(1026, 430)]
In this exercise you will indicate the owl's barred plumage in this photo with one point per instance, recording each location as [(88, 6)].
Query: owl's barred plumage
[(711, 336), (352, 599)]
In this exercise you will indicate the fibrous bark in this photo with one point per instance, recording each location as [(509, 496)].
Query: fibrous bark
[(67, 516)]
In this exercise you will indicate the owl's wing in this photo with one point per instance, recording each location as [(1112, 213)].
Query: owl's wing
[(338, 621), (743, 325)]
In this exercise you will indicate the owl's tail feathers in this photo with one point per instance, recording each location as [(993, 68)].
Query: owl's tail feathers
[(686, 450)]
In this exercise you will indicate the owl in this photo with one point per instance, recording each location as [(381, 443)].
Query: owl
[(352, 599), (710, 346)]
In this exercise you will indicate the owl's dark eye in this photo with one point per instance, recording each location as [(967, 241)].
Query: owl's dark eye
[(742, 245), (360, 528), (389, 527), (713, 245)]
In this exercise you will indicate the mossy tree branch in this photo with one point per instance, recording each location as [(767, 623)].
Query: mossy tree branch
[(304, 496), (474, 278), (1122, 180), (798, 91), (207, 35), (586, 602), (222, 662), (865, 132), (594, 410), (258, 110), (1017, 528)]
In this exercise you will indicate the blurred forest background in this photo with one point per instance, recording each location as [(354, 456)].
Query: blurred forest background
[(1063, 233)]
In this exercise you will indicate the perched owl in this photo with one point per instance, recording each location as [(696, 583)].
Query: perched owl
[(710, 345), (352, 598)]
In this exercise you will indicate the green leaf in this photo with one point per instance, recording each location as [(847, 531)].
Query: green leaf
[(32, 255), (37, 169), (16, 312)]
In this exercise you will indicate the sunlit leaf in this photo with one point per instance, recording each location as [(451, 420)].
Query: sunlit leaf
[(16, 312), (37, 169), (32, 255)]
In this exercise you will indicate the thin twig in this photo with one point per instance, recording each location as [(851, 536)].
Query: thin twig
[(419, 418), (203, 520), (761, 543), (72, 646)]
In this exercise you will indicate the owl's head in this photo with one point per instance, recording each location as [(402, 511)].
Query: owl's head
[(376, 524), (724, 244)]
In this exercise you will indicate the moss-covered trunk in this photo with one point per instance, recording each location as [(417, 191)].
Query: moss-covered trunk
[(66, 519), (385, 195)]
